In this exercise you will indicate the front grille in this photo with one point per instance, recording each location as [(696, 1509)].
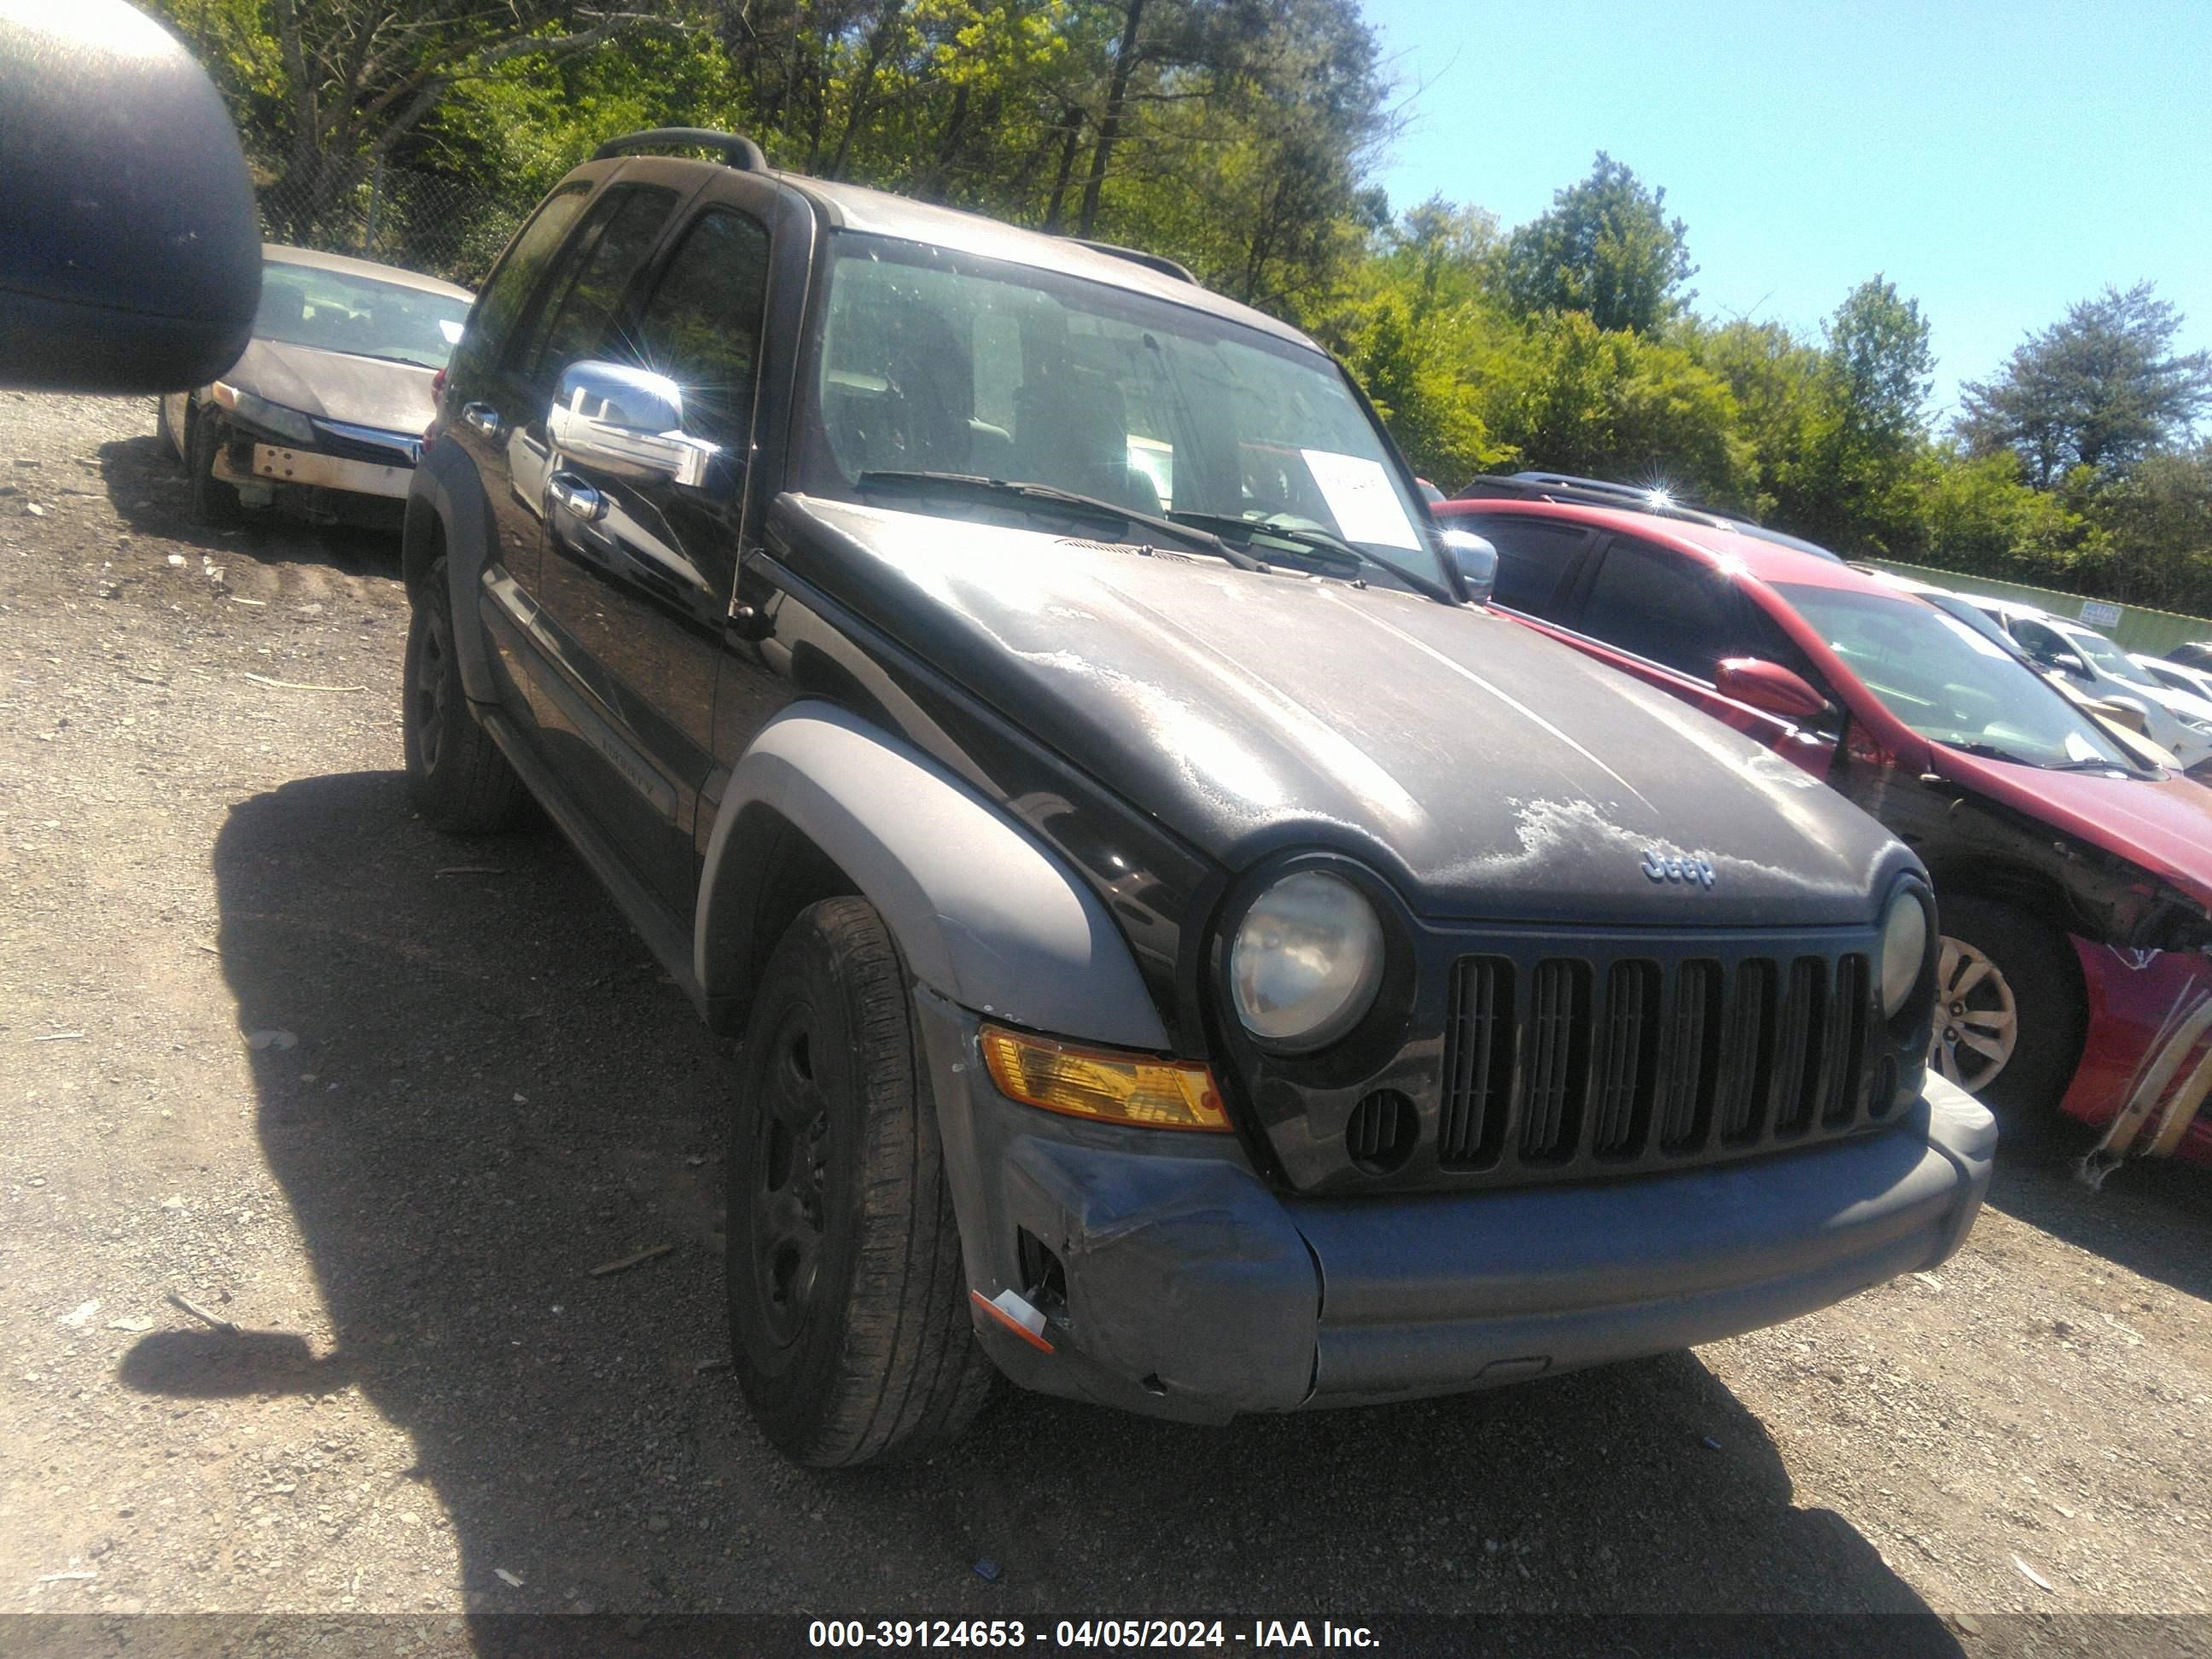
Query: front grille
[(1606, 1063), (367, 443)]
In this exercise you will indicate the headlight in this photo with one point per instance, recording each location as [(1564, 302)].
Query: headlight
[(259, 411), (1306, 961), (1903, 950)]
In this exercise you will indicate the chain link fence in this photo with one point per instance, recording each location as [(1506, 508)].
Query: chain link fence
[(425, 221)]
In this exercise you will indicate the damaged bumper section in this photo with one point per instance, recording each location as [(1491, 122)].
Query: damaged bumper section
[(1172, 1281)]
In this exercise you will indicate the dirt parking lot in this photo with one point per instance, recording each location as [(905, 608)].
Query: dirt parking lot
[(269, 1045)]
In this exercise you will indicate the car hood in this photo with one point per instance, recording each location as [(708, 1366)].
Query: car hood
[(2162, 824), (1490, 772), (337, 385), (2177, 703)]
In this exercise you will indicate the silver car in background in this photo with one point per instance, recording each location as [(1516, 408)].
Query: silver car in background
[(325, 408)]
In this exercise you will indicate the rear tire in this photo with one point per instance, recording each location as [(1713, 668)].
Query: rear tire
[(161, 433), (456, 776), (213, 502), (1994, 960), (849, 1324)]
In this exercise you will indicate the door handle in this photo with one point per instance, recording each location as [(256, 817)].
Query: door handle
[(579, 497), (485, 418)]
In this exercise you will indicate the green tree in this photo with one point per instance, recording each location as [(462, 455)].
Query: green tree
[(1979, 515), (1864, 427), (326, 85), (2159, 519), (1567, 396), (1606, 247), (2100, 389)]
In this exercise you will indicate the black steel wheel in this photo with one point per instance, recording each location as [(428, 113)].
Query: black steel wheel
[(456, 776), (849, 1324)]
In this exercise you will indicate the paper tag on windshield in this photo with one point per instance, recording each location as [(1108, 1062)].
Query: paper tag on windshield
[(1358, 493)]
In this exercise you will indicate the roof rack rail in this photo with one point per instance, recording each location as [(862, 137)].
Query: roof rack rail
[(1600, 486), (737, 150), (1137, 256)]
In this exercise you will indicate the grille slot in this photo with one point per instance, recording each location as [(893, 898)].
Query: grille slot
[(1382, 1131), (1692, 1054), (1623, 1106), (1747, 1070), (1562, 1063), (1557, 1043), (1479, 1070), (1797, 1049), (1845, 1097)]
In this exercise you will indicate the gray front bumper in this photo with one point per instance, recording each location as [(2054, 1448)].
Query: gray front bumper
[(1193, 1290)]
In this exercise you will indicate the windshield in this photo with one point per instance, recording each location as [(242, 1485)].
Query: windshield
[(1948, 682), (937, 362), (2097, 649), (337, 311)]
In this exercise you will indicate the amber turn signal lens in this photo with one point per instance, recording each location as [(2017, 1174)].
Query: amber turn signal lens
[(1102, 1083)]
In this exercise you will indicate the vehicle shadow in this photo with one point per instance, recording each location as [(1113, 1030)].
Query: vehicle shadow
[(2152, 1217), (146, 486), (492, 1093)]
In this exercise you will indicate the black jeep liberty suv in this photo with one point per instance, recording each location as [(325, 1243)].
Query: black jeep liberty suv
[(1189, 954)]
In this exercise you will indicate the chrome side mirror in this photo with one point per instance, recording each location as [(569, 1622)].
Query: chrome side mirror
[(628, 421), (1477, 561)]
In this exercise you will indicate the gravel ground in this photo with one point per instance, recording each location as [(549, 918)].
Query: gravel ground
[(269, 1044)]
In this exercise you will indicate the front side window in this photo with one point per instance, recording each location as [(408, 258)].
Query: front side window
[(1949, 684), (337, 311), (597, 268), (2040, 642), (701, 326), (929, 361)]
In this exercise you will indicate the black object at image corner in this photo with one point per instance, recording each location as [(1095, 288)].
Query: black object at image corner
[(130, 249)]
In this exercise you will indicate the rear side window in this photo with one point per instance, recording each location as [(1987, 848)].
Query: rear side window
[(701, 326), (504, 295), (595, 273), (1532, 555), (1665, 607)]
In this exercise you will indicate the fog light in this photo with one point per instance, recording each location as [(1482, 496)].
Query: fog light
[(1102, 1083)]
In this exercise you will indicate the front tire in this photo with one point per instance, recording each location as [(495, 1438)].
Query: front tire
[(213, 502), (849, 1326), (2010, 1010), (456, 776)]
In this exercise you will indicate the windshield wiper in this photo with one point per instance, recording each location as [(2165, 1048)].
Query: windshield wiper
[(1315, 542), (1992, 752), (1067, 500)]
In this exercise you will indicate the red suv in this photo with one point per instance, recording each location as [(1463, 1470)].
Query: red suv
[(2074, 880)]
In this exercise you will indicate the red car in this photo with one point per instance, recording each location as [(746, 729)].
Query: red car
[(2074, 879)]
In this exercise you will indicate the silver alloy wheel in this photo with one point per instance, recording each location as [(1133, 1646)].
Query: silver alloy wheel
[(1977, 1021)]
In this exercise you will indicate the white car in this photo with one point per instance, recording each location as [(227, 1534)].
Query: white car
[(2174, 719), (2176, 676)]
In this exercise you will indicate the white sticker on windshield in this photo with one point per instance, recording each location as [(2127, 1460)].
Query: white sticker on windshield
[(1358, 493), (451, 330)]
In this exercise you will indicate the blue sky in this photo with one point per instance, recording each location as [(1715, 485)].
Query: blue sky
[(1996, 161)]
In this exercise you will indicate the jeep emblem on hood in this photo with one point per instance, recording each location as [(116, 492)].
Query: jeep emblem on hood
[(1660, 867)]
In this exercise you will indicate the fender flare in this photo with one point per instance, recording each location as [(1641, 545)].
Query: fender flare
[(986, 916), (446, 491)]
